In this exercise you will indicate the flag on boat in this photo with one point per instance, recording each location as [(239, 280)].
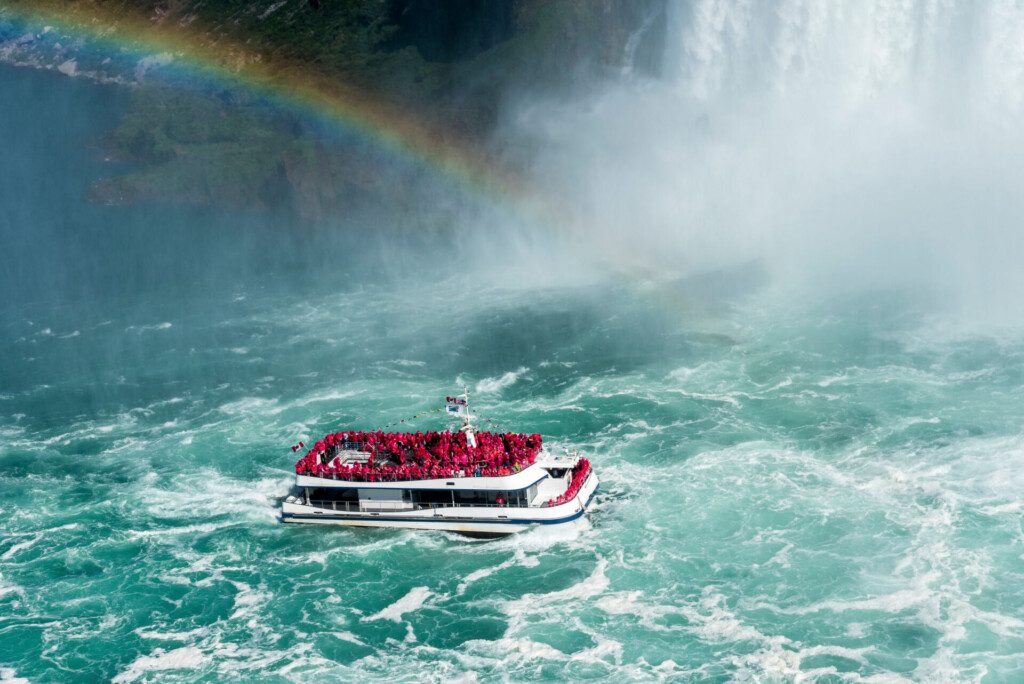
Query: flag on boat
[(455, 405)]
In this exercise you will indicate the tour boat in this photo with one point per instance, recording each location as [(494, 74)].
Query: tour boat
[(476, 483)]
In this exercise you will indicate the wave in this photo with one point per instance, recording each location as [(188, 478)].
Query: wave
[(209, 494), (726, 398), (185, 529), (507, 650), (20, 546), (8, 675), (184, 658), (248, 601), (262, 406), (490, 385), (8, 589), (519, 558), (166, 325), (409, 603), (155, 635), (593, 585)]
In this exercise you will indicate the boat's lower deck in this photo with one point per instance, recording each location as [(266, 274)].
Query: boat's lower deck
[(471, 519)]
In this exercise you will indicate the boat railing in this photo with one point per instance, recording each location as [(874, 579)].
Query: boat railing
[(458, 475), (470, 505), (353, 506)]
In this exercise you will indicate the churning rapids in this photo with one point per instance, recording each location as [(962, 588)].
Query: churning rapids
[(792, 485)]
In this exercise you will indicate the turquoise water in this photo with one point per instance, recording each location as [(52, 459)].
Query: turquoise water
[(825, 487)]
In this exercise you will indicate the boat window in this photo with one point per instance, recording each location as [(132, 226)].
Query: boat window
[(333, 494), (432, 496)]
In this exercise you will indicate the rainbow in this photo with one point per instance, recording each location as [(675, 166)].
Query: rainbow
[(296, 86)]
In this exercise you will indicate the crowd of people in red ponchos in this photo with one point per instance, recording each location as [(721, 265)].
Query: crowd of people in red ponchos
[(397, 456), (579, 476)]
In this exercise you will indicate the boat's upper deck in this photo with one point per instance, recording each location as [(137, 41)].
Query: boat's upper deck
[(370, 458), (524, 479)]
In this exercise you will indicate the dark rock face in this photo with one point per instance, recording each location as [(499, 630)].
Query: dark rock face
[(451, 31)]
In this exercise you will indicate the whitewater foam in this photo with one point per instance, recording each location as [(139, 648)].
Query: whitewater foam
[(409, 603), (185, 658), (489, 385), (593, 585), (519, 558), (8, 675)]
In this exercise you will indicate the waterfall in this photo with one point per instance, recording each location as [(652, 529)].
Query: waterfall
[(964, 54), (861, 144), (654, 13)]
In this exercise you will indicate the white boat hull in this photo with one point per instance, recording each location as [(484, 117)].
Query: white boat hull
[(465, 519)]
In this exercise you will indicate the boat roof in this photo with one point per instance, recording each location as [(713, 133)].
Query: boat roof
[(567, 459)]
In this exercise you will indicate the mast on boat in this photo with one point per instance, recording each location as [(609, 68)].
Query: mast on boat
[(467, 419), (459, 405)]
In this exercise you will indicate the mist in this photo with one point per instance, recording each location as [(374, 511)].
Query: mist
[(812, 150), (845, 147)]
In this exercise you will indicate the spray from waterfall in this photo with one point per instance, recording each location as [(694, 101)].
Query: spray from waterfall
[(846, 146)]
